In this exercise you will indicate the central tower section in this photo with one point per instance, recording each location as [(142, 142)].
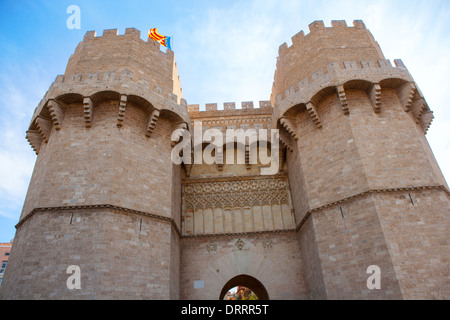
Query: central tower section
[(232, 196)]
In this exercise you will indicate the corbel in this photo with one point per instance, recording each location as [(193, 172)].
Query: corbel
[(122, 108), (313, 114), (343, 99), (88, 109), (44, 127), (406, 95), (290, 127), (56, 112), (152, 119), (375, 97), (34, 139)]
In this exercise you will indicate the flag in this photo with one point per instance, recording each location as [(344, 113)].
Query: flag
[(153, 34), (165, 41)]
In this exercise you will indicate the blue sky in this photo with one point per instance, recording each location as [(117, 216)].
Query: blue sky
[(225, 51)]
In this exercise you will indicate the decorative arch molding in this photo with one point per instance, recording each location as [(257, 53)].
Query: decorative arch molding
[(369, 76), (253, 141), (233, 266), (408, 93), (50, 112)]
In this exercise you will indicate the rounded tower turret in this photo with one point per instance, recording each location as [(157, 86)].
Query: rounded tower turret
[(104, 194), (365, 184)]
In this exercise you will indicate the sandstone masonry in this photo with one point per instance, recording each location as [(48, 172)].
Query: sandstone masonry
[(357, 184)]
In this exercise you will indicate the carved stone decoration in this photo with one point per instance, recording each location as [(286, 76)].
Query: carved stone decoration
[(247, 157), (267, 244), (211, 247), (188, 168), (244, 193), (234, 206), (240, 244)]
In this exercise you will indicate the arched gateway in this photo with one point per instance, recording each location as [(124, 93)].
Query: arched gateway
[(246, 281)]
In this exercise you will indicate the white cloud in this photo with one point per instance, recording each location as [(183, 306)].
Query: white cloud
[(374, 17), (239, 47), (22, 87)]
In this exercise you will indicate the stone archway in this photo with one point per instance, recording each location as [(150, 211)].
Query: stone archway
[(246, 281)]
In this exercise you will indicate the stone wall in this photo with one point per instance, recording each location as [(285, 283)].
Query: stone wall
[(357, 185), (121, 255), (272, 258)]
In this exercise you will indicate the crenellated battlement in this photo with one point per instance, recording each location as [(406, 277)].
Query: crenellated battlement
[(312, 52), (246, 107), (317, 27), (101, 45), (114, 56), (130, 33)]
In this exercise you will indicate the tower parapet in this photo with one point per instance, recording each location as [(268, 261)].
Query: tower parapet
[(312, 52), (123, 67), (230, 106), (112, 52)]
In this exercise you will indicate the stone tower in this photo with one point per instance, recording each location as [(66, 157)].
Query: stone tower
[(357, 184), (104, 194), (366, 187)]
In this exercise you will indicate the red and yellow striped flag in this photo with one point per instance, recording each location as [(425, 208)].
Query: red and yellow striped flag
[(153, 34), (165, 41)]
